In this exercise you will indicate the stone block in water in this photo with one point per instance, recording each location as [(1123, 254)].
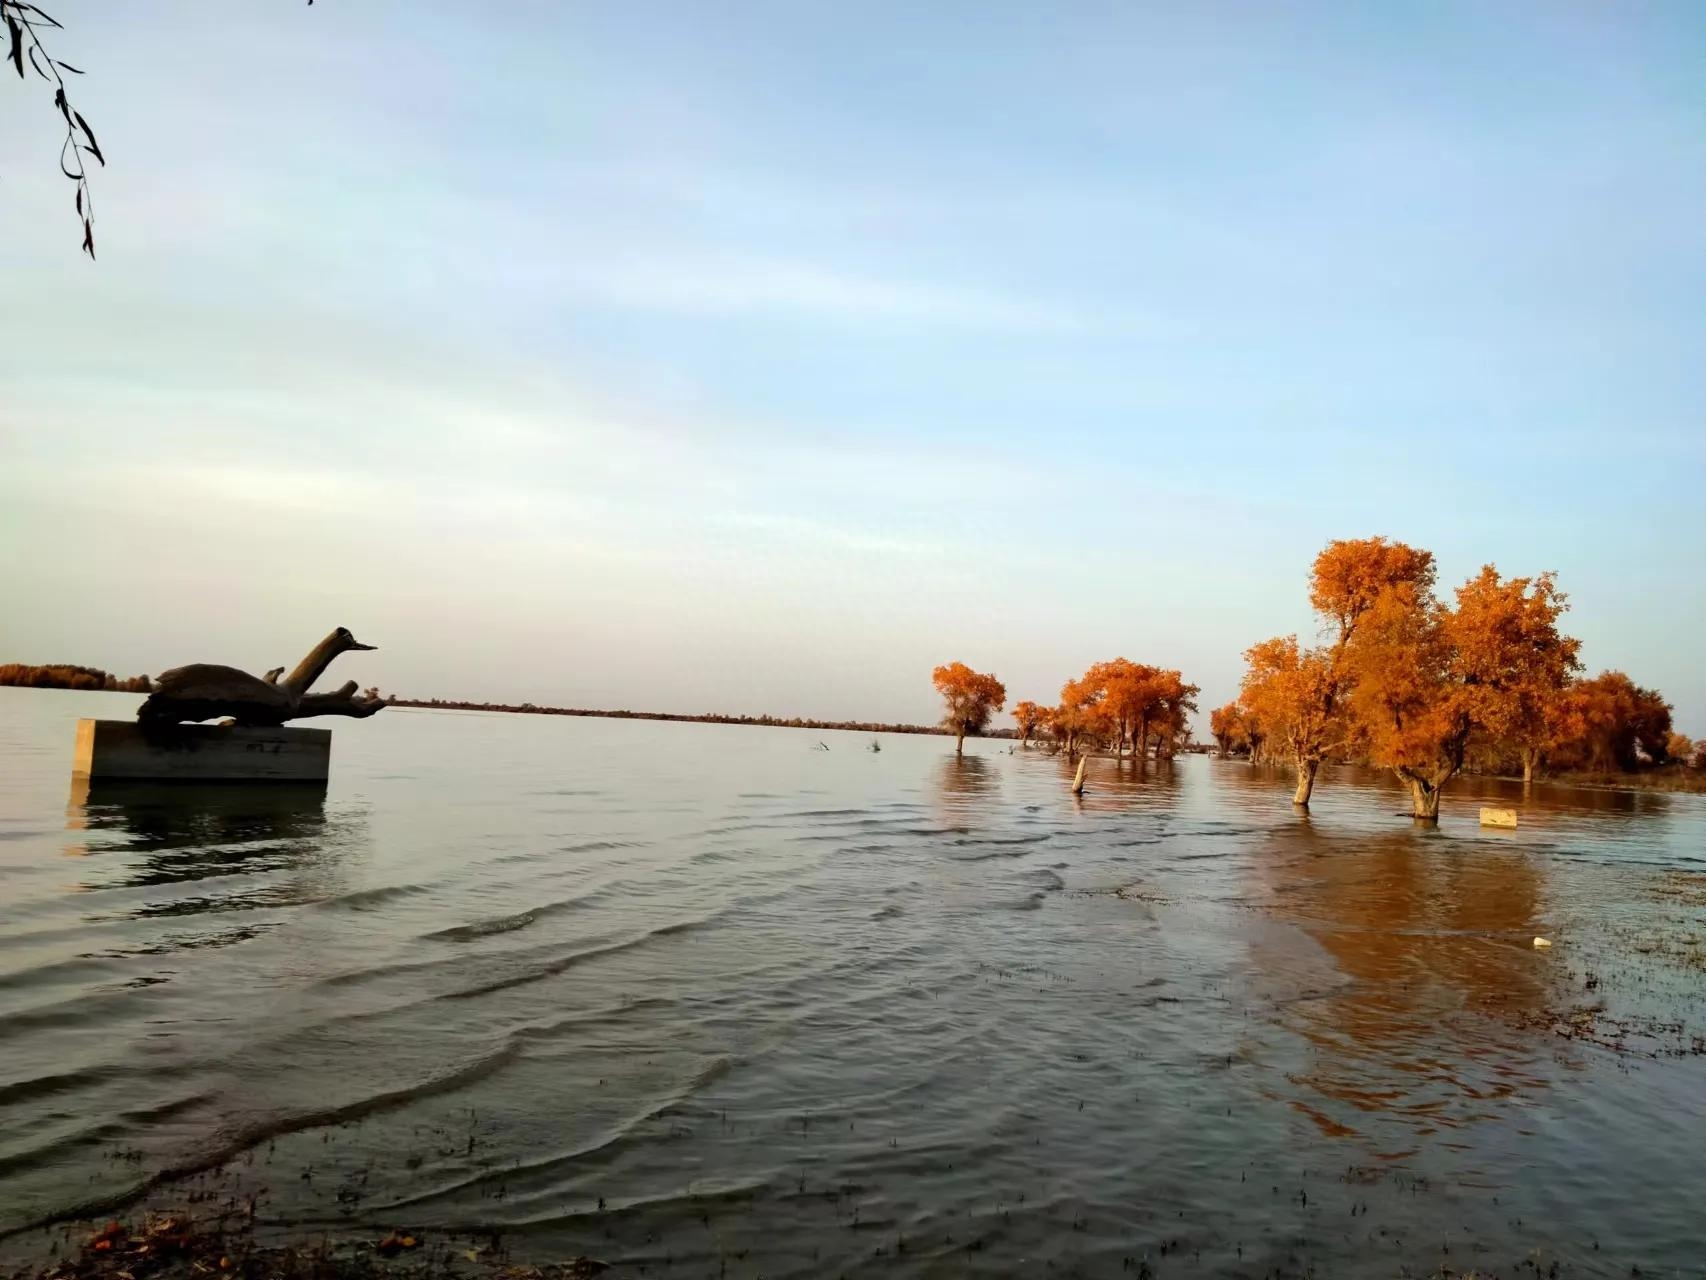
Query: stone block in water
[(111, 749)]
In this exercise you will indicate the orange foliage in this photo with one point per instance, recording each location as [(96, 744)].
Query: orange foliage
[(66, 675), (1295, 695), (1124, 701), (1428, 676), (1226, 725), (1514, 662), (1292, 693), (1029, 716), (1351, 575), (971, 698), (1612, 723)]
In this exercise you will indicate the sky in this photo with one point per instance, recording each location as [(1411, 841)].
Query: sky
[(760, 357)]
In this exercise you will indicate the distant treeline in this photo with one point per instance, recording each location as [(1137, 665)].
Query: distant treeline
[(66, 675), (775, 722)]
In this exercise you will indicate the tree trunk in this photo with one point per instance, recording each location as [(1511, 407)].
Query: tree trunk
[(1530, 759), (1306, 770), (1424, 799), (959, 740), (1140, 739)]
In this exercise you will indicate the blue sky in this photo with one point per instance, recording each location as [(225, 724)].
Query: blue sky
[(759, 357)]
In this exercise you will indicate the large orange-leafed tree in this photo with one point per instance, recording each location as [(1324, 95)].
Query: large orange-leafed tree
[(1296, 695), (1428, 676), (971, 698), (1406, 700), (1515, 663)]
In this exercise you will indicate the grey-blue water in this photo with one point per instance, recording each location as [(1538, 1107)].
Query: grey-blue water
[(706, 1000)]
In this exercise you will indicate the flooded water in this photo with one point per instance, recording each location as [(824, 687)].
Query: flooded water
[(707, 1000)]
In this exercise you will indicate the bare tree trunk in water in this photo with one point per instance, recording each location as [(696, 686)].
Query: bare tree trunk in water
[(1424, 799), (1305, 782), (1530, 759), (959, 740), (1140, 739)]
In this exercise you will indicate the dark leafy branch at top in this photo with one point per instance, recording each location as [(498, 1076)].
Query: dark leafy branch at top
[(24, 25)]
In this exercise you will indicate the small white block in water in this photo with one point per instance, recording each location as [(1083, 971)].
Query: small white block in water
[(1541, 943), (1498, 817)]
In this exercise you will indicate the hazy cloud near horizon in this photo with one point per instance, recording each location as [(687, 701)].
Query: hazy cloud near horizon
[(760, 359)]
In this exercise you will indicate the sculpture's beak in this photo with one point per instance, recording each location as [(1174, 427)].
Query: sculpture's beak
[(356, 644)]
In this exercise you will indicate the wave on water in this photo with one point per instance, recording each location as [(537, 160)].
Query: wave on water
[(255, 1132), (563, 963), (369, 899)]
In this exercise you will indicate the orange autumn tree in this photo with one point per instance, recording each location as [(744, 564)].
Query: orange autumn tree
[(1172, 719), (1297, 695), (1226, 726), (1429, 676), (1128, 693), (971, 698), (1406, 700), (1616, 725), (1027, 715), (1292, 693), (1081, 713), (1515, 663)]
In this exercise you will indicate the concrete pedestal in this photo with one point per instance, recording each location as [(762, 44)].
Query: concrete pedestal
[(109, 749)]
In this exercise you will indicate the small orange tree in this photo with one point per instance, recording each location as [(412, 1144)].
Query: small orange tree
[(1027, 715), (971, 698), (1292, 693), (1617, 724), (1128, 693), (1171, 721), (1226, 725)]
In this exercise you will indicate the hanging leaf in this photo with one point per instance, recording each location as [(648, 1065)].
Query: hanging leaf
[(76, 175), (79, 199), (40, 13), (17, 43), (66, 66), (94, 148), (88, 237), (60, 102), (37, 65)]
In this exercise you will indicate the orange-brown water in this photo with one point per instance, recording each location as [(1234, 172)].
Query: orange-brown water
[(700, 997)]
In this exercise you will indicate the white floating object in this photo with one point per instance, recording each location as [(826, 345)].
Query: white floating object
[(1078, 779), (1541, 944), (1498, 817)]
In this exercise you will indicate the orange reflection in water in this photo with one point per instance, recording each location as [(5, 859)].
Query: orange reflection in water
[(1419, 1022)]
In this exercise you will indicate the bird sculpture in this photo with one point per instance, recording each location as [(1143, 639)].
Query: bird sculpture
[(207, 691)]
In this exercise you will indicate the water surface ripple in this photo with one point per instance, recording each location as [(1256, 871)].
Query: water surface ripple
[(705, 1000)]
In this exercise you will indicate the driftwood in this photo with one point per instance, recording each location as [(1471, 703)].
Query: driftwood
[(204, 691)]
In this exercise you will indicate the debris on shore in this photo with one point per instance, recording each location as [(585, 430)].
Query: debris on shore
[(179, 1247)]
